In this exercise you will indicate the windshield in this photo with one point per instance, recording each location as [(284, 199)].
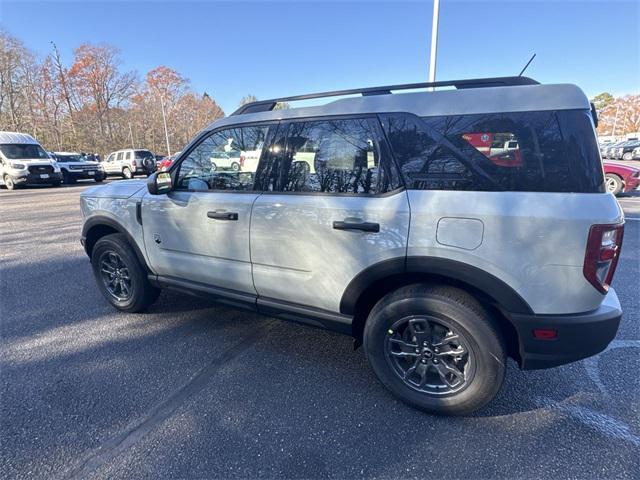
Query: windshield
[(69, 158), (23, 151)]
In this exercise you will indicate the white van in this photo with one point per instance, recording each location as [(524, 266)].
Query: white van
[(23, 161)]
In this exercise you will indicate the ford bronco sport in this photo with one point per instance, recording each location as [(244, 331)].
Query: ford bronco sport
[(393, 218)]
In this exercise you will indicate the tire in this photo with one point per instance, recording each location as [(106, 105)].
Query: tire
[(214, 167), (396, 330), (126, 173), (99, 179), (613, 183), (139, 293), (627, 156), (8, 182), (66, 178), (235, 166), (56, 184)]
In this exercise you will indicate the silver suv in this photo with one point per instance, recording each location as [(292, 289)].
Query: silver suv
[(445, 231)]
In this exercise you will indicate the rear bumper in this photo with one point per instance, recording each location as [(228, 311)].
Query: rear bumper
[(578, 336)]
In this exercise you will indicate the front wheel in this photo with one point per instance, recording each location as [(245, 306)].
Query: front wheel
[(435, 348), (613, 183), (120, 276), (8, 182)]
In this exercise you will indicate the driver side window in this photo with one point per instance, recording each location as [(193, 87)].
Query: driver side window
[(225, 160)]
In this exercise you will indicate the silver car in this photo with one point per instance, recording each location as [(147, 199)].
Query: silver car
[(396, 218)]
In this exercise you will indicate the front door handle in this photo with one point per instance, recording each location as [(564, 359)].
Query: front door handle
[(223, 215), (363, 226)]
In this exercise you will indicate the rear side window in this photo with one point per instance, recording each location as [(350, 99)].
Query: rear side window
[(528, 151), (329, 156)]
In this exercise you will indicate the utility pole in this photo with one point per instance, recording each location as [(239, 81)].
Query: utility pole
[(131, 135), (434, 42), (615, 122), (166, 132)]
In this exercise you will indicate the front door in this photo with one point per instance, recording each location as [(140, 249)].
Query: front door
[(199, 231), (332, 207)]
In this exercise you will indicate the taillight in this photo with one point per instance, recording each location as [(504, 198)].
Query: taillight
[(603, 250), (242, 159)]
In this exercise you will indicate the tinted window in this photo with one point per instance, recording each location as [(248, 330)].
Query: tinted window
[(530, 151), (224, 160), (128, 156), (119, 157), (143, 154), (332, 156)]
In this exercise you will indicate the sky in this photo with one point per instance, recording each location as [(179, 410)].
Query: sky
[(271, 49)]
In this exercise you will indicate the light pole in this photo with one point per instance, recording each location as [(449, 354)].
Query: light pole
[(166, 132), (615, 122), (434, 42)]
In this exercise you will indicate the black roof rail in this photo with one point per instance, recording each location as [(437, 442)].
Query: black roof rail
[(268, 105)]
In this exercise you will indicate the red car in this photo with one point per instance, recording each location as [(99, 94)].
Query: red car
[(166, 162), (621, 178)]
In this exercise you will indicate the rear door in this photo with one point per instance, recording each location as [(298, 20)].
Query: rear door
[(199, 232), (331, 206)]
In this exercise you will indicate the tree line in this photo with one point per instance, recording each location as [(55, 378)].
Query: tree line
[(90, 104), (618, 116)]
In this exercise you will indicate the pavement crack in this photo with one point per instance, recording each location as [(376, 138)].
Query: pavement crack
[(128, 438)]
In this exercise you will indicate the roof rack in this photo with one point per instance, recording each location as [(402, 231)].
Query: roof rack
[(268, 105)]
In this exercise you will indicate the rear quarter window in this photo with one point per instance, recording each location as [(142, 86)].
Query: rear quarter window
[(524, 151)]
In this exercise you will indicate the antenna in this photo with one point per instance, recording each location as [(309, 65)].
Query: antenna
[(528, 63)]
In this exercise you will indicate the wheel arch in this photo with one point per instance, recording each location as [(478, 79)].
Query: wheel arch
[(99, 226), (366, 288)]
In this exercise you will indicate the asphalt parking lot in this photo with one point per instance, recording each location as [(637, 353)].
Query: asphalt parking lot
[(195, 390)]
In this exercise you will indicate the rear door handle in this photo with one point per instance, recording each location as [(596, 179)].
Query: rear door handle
[(363, 226), (223, 215)]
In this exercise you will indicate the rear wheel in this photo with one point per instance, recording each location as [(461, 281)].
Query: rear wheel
[(235, 166), (120, 276), (627, 156), (614, 183), (436, 348), (214, 167), (126, 173)]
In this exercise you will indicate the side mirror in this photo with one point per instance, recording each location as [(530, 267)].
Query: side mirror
[(159, 183)]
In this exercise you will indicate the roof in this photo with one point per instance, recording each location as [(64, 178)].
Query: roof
[(16, 137), (518, 98)]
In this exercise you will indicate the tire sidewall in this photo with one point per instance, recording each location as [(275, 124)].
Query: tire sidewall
[(615, 178), (8, 182), (489, 371), (126, 173), (128, 257)]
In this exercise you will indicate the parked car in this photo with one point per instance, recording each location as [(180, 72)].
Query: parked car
[(621, 178), (166, 162), (406, 236), (636, 154), (609, 151), (23, 161), (625, 151), (130, 162), (75, 166)]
